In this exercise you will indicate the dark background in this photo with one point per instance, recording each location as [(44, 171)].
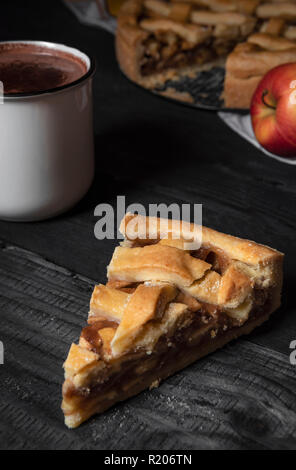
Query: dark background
[(152, 151)]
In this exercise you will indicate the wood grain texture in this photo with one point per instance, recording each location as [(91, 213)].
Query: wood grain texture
[(241, 397), (152, 151)]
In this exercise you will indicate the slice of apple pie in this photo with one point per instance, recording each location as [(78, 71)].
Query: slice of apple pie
[(168, 302)]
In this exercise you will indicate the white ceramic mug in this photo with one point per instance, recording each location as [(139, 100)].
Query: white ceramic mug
[(46, 146)]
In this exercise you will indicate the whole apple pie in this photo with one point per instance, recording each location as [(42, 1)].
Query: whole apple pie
[(168, 301), (160, 40)]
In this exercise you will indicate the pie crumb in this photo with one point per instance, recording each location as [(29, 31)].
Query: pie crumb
[(154, 384)]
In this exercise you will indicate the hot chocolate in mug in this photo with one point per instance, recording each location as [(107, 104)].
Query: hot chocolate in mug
[(46, 129)]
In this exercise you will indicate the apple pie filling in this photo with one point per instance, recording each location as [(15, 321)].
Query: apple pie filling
[(164, 51)]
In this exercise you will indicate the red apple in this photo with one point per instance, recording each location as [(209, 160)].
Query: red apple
[(273, 111)]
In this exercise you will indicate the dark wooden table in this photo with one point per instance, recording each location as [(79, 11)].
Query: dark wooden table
[(152, 151)]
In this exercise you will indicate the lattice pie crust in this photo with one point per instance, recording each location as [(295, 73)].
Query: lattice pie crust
[(165, 305), (157, 40)]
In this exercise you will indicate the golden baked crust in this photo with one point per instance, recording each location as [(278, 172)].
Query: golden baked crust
[(169, 300), (248, 64), (158, 40), (129, 39), (236, 248)]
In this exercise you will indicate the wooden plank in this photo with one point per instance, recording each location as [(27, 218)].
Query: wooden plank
[(150, 150), (242, 397)]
